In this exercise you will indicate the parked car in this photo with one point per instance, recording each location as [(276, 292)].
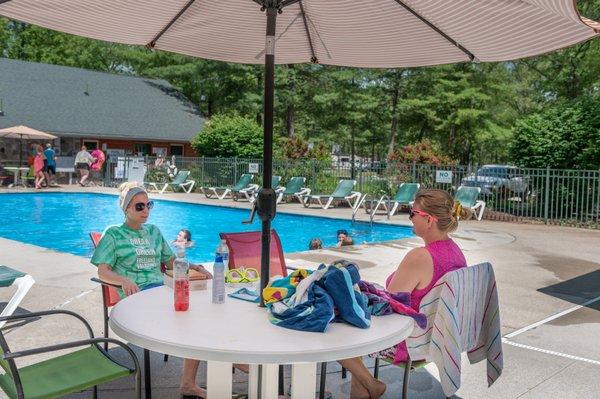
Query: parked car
[(496, 178)]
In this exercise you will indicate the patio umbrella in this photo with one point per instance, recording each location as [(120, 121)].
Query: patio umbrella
[(23, 132), (367, 33)]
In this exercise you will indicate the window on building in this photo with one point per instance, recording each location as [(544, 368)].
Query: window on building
[(91, 145), (177, 149), (142, 149)]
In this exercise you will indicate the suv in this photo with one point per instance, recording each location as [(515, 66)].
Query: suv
[(494, 178)]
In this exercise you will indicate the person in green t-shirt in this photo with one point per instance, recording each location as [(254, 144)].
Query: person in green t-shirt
[(130, 255)]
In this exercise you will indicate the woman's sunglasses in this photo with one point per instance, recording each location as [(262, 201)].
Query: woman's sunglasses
[(140, 206), (413, 212)]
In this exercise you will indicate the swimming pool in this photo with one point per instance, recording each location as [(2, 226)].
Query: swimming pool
[(63, 221)]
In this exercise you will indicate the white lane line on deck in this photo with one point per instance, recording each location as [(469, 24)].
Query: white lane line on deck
[(547, 319), (68, 301), (549, 352)]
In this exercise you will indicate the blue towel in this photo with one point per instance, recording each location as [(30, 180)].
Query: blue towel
[(314, 314), (339, 282)]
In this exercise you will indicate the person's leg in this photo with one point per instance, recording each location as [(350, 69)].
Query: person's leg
[(85, 175), (188, 379), (364, 385)]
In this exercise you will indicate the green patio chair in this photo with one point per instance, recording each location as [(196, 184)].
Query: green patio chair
[(467, 196), (179, 182), (294, 188), (68, 373), (243, 183), (22, 281), (343, 192), (251, 192)]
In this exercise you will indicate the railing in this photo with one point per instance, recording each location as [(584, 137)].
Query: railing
[(553, 196)]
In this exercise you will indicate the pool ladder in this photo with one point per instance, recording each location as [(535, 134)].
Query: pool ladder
[(383, 200)]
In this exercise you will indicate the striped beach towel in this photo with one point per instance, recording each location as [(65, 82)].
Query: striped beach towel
[(462, 316)]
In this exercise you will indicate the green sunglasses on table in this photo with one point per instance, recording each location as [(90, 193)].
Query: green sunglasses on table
[(242, 275)]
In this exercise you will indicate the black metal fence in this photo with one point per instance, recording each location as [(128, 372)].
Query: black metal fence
[(557, 196)]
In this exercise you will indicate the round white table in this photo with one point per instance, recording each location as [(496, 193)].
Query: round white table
[(17, 171), (239, 332)]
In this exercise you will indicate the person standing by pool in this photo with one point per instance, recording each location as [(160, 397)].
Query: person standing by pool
[(433, 215), (49, 164), (130, 255), (83, 160), (97, 164), (38, 167)]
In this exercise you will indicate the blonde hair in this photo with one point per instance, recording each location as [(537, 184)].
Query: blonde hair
[(441, 205), (127, 191)]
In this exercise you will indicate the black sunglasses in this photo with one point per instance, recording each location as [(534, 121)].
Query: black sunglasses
[(140, 206)]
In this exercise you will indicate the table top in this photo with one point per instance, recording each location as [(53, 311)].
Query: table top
[(239, 331), (15, 168)]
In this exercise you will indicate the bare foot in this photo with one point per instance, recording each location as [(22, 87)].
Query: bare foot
[(357, 390), (192, 390), (376, 389)]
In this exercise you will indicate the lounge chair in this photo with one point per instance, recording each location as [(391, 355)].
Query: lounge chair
[(179, 182), (343, 191), (294, 188), (467, 196), (405, 196), (23, 282), (251, 192), (242, 183)]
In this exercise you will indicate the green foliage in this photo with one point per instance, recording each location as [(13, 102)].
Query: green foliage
[(563, 136), (157, 175), (229, 136), (423, 152), (296, 147)]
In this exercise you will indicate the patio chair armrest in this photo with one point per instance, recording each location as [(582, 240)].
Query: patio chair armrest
[(73, 344), (50, 312), (291, 268), (97, 280)]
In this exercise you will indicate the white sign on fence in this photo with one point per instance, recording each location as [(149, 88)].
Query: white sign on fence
[(252, 168), (443, 176)]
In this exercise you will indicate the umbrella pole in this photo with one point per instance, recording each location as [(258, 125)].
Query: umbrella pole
[(266, 203)]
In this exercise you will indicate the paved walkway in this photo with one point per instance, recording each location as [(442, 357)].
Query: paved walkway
[(548, 282)]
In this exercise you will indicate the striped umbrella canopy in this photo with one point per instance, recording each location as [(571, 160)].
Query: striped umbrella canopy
[(366, 33)]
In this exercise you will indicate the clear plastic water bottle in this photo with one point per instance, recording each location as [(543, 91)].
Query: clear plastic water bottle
[(181, 282), (221, 264)]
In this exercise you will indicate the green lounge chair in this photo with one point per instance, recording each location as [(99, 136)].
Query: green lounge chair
[(405, 196), (68, 373), (467, 196), (294, 188), (251, 192), (343, 191), (22, 281), (180, 181), (242, 183)]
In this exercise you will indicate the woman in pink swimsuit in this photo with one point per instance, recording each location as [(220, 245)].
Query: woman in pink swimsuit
[(433, 215)]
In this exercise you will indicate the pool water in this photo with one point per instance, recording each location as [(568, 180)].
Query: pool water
[(63, 221)]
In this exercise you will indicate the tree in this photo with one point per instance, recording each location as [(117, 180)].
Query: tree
[(229, 136), (563, 136)]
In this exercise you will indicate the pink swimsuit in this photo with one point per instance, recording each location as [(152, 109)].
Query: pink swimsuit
[(446, 256)]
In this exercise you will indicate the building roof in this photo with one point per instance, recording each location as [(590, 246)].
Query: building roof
[(76, 102)]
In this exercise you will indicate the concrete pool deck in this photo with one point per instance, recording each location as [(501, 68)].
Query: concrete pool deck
[(544, 273)]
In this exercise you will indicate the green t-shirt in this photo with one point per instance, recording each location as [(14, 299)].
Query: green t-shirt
[(135, 254)]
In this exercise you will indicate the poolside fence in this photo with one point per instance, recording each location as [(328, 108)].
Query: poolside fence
[(552, 196)]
